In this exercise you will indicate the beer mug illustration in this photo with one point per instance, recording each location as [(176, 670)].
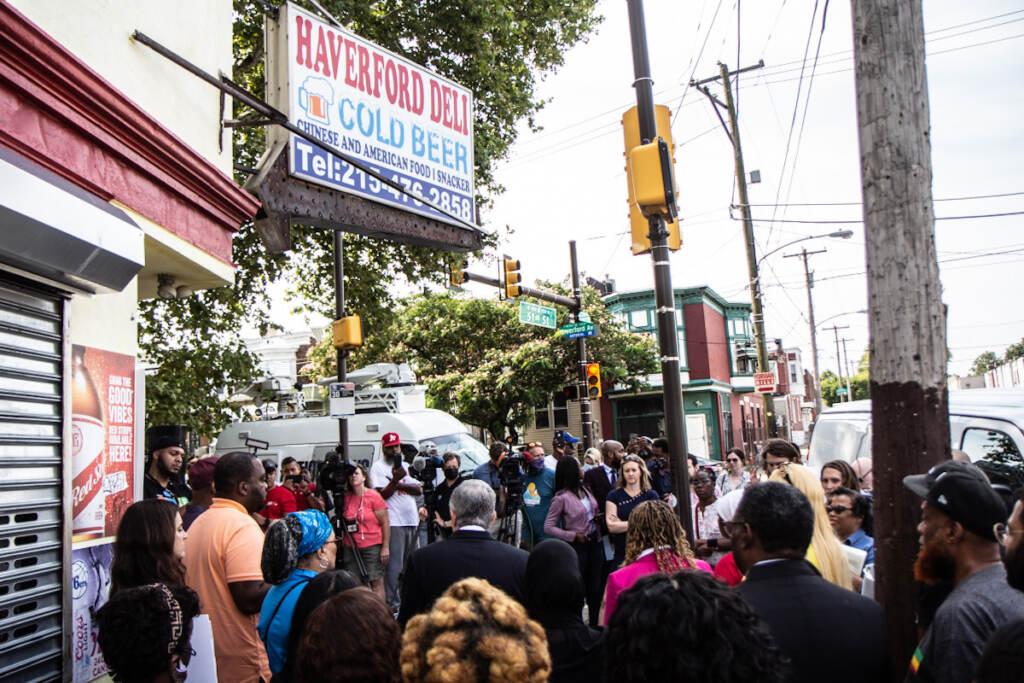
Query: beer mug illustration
[(316, 97)]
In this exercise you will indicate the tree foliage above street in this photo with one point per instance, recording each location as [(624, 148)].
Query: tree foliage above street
[(985, 362), (860, 383), (481, 364), (495, 48)]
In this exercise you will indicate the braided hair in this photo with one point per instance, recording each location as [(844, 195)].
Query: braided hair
[(475, 632), (281, 549), (652, 524)]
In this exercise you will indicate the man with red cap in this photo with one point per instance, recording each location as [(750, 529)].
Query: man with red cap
[(399, 491)]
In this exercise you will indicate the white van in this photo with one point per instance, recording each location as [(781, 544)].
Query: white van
[(983, 423), (311, 439)]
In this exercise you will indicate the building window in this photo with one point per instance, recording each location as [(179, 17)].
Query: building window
[(681, 341), (560, 410), (541, 417), (638, 319)]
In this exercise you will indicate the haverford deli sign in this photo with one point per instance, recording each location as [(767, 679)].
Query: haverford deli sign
[(402, 120)]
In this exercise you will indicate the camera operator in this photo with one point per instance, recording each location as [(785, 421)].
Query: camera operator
[(561, 446), (299, 483), (443, 493), (538, 490), (503, 473), (399, 491), (658, 465)]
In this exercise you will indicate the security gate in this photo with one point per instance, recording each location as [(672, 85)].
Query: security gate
[(31, 473)]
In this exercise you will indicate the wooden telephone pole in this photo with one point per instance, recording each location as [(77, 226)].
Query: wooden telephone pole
[(909, 411)]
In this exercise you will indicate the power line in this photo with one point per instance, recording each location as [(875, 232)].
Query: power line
[(860, 221), (943, 199), (696, 62)]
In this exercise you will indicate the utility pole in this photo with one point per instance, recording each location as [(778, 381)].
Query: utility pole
[(581, 353), (909, 399), (846, 364), (839, 358), (809, 279), (664, 297), (757, 310)]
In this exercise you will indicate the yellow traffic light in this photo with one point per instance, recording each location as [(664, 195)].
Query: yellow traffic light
[(638, 223), (593, 380), (512, 277), (348, 333), (456, 275)]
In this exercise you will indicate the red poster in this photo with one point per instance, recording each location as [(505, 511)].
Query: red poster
[(102, 440)]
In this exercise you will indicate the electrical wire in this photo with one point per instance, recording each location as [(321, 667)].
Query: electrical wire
[(860, 221)]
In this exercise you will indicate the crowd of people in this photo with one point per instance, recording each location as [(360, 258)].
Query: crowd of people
[(604, 584)]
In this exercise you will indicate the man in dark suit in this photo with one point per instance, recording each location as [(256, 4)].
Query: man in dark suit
[(827, 632), (601, 480), (470, 551)]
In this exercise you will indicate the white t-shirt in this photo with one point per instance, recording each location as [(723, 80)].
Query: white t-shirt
[(550, 462), (401, 506)]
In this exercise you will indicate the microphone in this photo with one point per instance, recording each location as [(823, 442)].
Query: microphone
[(419, 463)]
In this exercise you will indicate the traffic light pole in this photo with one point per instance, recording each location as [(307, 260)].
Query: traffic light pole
[(664, 297), (339, 312), (581, 353), (524, 291)]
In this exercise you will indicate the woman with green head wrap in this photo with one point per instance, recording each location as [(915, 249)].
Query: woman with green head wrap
[(295, 549)]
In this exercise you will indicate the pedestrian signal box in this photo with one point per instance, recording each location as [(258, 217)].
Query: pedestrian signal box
[(348, 333), (511, 278), (456, 275), (639, 224), (593, 380)]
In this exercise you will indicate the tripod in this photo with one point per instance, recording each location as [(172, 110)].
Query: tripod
[(341, 530)]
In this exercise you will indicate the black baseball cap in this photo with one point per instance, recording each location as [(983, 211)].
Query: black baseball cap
[(963, 493)]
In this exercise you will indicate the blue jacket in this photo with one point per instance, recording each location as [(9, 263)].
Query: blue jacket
[(276, 615), (860, 540)]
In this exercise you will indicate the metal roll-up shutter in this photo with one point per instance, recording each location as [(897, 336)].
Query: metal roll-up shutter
[(31, 533)]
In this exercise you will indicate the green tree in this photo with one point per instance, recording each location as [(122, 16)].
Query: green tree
[(1014, 350), (495, 48), (483, 366), (985, 362), (860, 383)]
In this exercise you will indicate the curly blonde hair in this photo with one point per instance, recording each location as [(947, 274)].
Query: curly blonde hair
[(827, 549), (652, 524), (474, 632)]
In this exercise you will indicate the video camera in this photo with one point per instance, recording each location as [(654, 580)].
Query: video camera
[(334, 474), (425, 464)]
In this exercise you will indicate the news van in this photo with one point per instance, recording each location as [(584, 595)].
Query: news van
[(381, 407), (983, 423)]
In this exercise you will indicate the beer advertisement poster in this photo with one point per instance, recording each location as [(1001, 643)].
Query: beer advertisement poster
[(406, 122), (102, 440), (90, 588)]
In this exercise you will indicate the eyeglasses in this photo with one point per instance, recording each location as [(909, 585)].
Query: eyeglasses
[(534, 444), (632, 458), (838, 509), (772, 466), (1002, 532), (732, 526)]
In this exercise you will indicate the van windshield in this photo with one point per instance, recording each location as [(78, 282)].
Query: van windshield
[(471, 452), (840, 437)]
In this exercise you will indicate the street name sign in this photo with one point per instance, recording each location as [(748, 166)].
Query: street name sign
[(764, 382), (535, 314), (577, 330)]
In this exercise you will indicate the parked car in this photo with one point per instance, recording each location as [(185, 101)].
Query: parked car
[(983, 423)]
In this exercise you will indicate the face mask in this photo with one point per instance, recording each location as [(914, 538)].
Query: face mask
[(537, 465), (587, 468), (451, 473)]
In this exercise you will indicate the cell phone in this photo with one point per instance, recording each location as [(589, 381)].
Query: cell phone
[(297, 478)]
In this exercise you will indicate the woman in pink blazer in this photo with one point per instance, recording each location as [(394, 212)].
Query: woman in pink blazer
[(655, 542), (571, 518)]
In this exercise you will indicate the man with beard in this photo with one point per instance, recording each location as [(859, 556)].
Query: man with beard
[(166, 456), (959, 516), (399, 491), (1011, 536)]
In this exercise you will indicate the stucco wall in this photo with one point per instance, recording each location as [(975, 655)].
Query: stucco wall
[(97, 32)]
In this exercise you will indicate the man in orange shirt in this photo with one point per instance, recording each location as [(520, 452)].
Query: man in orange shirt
[(222, 562)]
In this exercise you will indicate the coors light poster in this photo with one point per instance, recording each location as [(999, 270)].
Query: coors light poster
[(102, 440)]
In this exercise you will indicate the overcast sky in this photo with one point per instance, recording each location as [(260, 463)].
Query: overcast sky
[(567, 181)]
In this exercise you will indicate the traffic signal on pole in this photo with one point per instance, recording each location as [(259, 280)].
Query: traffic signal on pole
[(594, 380), (571, 392), (512, 277), (647, 170), (347, 333), (456, 275)]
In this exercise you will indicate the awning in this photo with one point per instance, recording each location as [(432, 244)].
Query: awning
[(55, 229)]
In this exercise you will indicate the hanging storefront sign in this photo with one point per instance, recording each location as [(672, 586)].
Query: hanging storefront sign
[(404, 121)]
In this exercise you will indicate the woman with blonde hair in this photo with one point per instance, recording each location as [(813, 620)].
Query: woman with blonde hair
[(474, 632), (655, 542), (825, 551), (634, 487)]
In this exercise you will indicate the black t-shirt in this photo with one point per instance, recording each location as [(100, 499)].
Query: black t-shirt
[(176, 492), (443, 495)]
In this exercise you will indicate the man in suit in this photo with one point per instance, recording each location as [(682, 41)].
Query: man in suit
[(470, 552), (601, 480), (815, 623)]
